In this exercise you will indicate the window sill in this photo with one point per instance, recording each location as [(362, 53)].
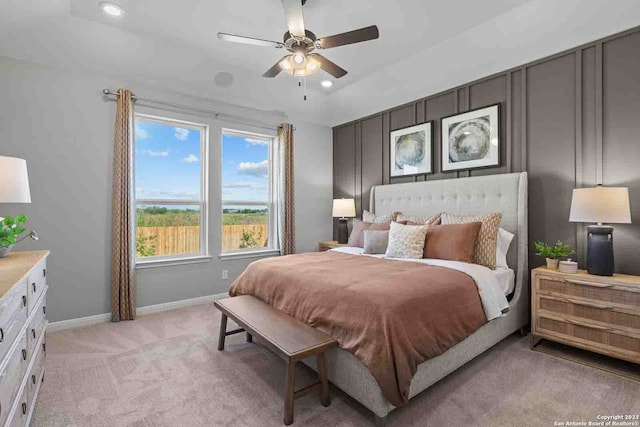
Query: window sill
[(248, 254), (196, 259)]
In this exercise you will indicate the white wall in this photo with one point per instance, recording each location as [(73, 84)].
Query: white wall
[(61, 124)]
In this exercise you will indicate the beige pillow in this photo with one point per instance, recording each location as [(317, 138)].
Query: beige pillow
[(406, 241), (378, 219), (421, 219), (487, 241)]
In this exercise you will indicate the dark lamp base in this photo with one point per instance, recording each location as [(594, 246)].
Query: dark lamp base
[(600, 250), (343, 232)]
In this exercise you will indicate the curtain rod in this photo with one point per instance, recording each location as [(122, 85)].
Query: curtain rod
[(216, 114)]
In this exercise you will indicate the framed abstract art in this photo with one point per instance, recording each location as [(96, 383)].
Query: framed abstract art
[(411, 150), (471, 140)]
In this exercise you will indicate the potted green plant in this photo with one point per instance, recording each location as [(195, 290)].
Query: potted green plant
[(10, 230), (553, 253)]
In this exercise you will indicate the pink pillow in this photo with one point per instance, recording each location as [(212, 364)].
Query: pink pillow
[(356, 239)]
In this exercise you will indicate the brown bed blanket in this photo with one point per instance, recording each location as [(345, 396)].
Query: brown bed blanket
[(392, 315)]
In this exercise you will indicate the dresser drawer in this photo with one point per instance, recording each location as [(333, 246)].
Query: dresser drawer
[(37, 278), (37, 323), (607, 313), (603, 338), (11, 377), (13, 315), (37, 370), (600, 292), (20, 411)]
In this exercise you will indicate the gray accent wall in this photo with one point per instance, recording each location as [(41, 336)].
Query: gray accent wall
[(569, 120)]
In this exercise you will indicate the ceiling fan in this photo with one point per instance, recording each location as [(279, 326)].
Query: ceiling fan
[(303, 61)]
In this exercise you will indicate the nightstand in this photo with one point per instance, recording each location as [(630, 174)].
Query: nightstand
[(330, 244), (595, 313)]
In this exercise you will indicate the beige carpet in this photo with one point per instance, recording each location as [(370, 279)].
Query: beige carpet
[(165, 370)]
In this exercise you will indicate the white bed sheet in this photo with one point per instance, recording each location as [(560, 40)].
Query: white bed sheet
[(493, 285)]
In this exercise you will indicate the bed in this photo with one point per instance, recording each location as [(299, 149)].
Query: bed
[(506, 193)]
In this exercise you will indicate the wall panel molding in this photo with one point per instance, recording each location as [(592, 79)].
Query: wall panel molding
[(564, 118)]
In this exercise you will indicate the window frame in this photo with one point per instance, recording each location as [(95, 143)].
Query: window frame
[(272, 204), (203, 254)]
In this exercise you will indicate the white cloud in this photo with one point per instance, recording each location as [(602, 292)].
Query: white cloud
[(191, 158), (260, 169), (153, 153), (181, 134), (141, 133), (256, 141)]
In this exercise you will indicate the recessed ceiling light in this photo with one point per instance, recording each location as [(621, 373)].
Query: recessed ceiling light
[(111, 9), (326, 83)]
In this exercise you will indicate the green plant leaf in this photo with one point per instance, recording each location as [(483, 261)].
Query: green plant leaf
[(18, 230), (21, 219), (8, 221)]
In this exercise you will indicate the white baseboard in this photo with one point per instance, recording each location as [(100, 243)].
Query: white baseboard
[(149, 309)]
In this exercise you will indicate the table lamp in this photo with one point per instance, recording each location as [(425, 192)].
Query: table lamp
[(14, 181), (600, 205), (343, 209)]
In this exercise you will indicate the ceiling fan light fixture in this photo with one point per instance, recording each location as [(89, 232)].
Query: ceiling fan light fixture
[(298, 58), (284, 64)]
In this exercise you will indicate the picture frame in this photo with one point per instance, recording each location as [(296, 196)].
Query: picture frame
[(411, 150), (471, 140)]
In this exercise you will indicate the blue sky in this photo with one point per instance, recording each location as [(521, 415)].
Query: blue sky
[(168, 164)]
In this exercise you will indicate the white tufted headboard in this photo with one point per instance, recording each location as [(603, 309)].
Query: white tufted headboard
[(506, 193)]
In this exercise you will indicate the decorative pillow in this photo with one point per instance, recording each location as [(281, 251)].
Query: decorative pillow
[(356, 238), (375, 241), (422, 220), (378, 219), (406, 241), (455, 242), (504, 241), (487, 241)]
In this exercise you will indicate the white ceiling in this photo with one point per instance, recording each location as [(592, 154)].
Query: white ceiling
[(424, 45)]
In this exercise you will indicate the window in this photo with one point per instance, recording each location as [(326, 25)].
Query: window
[(170, 176), (248, 193)]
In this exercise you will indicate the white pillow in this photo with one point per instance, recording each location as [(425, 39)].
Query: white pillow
[(504, 241), (406, 241)]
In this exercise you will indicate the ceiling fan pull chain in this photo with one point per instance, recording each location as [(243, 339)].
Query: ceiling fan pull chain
[(305, 88)]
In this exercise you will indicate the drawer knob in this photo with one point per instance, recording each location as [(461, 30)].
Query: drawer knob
[(24, 408), (33, 286), (44, 272), (24, 354), (33, 379), (33, 333), (24, 300), (1, 334), (44, 347), (44, 309)]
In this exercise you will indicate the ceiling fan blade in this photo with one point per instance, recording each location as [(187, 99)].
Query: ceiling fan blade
[(330, 67), (249, 40), (350, 37), (295, 20), (275, 70)]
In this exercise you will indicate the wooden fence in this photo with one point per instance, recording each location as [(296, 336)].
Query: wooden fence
[(186, 240)]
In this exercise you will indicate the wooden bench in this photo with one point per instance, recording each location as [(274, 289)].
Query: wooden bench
[(287, 337)]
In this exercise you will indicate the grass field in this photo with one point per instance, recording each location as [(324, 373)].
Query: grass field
[(163, 217)]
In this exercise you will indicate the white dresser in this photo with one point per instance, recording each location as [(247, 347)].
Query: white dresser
[(23, 291)]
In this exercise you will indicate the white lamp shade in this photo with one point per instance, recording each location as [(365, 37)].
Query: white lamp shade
[(14, 181), (601, 204), (344, 208)]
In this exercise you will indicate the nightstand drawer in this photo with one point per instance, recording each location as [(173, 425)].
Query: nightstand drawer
[(600, 292), (608, 340), (611, 314)]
